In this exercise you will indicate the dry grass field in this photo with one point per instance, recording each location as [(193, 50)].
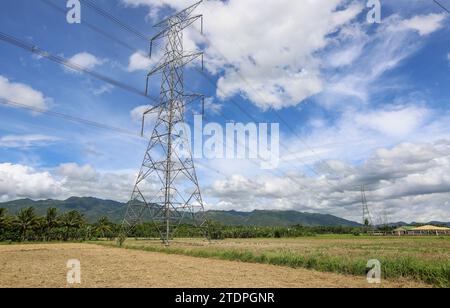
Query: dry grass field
[(44, 265), (424, 259), (435, 249)]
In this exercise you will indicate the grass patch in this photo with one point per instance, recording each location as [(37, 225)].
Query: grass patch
[(401, 266)]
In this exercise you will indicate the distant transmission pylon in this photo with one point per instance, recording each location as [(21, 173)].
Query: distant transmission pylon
[(167, 191), (366, 218)]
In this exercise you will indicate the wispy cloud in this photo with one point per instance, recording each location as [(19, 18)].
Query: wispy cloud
[(373, 56), (425, 24), (26, 141)]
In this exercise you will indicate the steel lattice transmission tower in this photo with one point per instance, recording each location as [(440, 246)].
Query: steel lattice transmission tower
[(366, 218), (167, 191)]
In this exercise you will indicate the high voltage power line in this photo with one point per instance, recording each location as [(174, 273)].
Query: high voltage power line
[(66, 117), (99, 125), (116, 20), (74, 66), (274, 111), (103, 126), (251, 117), (442, 6), (130, 29), (91, 26), (170, 170), (65, 62), (62, 61), (94, 124)]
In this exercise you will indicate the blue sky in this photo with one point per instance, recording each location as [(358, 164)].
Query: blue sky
[(372, 100)]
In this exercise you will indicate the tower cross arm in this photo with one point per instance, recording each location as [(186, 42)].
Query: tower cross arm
[(180, 24), (181, 61), (180, 15)]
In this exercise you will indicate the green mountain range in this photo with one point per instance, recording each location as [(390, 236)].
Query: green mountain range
[(93, 209), (277, 218)]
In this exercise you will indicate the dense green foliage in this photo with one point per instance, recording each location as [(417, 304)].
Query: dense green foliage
[(218, 231), (72, 226)]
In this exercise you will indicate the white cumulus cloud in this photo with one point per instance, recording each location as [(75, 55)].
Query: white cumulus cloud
[(409, 182), (86, 60), (18, 181), (22, 94), (273, 53), (73, 171), (398, 122), (276, 60), (139, 62)]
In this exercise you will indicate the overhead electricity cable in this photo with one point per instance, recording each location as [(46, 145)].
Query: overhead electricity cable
[(442, 6), (255, 120), (91, 123), (113, 18), (116, 20), (95, 28), (208, 41), (144, 37), (62, 61), (91, 26), (65, 62), (127, 27), (66, 117)]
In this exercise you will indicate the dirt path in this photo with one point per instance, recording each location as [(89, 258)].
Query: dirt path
[(44, 265)]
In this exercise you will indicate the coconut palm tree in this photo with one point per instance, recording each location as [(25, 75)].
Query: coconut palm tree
[(5, 224), (4, 219), (72, 220), (51, 221), (26, 220), (2, 216), (103, 226)]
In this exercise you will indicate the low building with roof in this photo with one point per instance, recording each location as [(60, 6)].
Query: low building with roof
[(423, 230), (404, 230)]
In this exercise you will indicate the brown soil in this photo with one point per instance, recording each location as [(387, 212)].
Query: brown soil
[(44, 265)]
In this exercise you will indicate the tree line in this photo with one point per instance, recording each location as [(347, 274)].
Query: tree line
[(69, 226), (73, 226)]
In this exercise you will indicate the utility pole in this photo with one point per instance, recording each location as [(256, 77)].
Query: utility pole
[(167, 191)]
